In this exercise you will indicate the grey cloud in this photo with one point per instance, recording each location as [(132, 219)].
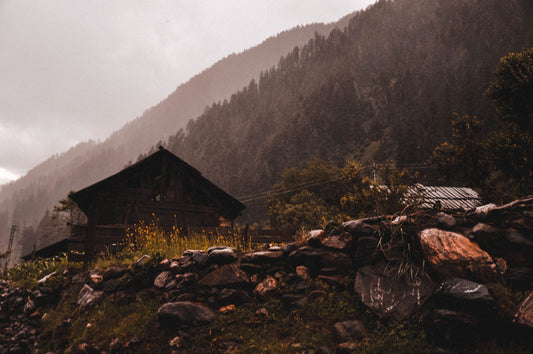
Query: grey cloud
[(76, 70)]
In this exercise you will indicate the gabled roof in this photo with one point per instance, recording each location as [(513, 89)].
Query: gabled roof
[(450, 198), (85, 197)]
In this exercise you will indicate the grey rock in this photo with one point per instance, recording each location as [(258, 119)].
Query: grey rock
[(314, 237), (174, 267), (291, 299), (88, 296), (358, 228), (227, 276), (186, 279), (222, 255), (142, 260), (171, 285), (389, 296), (264, 257), (446, 221), (162, 279), (113, 272), (184, 312), (200, 257), (342, 242), (482, 230), (288, 248), (217, 248), (465, 296), (350, 330), (516, 238), (165, 263), (111, 285)]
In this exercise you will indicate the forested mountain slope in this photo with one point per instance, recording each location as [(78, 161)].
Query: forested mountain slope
[(24, 201), (383, 88)]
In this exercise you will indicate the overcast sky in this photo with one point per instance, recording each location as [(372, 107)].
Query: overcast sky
[(71, 70)]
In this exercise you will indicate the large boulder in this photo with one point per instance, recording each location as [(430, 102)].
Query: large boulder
[(226, 276), (450, 255), (465, 296), (388, 295), (184, 313)]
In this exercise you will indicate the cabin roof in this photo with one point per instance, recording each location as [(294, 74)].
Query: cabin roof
[(87, 197), (450, 198)]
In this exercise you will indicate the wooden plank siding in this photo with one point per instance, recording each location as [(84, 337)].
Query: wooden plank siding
[(160, 188)]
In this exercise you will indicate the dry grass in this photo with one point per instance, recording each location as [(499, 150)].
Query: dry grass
[(151, 239)]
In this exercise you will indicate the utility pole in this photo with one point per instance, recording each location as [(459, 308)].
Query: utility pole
[(10, 244)]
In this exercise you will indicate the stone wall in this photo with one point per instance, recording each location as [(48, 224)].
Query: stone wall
[(427, 265)]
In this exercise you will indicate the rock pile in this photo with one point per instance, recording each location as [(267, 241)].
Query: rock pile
[(434, 266), (20, 316), (461, 253)]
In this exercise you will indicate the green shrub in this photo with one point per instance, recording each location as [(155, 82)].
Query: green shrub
[(26, 274)]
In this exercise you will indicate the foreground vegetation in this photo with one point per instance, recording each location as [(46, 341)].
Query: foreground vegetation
[(126, 321)]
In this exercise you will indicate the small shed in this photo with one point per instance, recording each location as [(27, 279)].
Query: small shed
[(162, 187), (444, 198)]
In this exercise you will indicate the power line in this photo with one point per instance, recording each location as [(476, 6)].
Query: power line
[(320, 181), (289, 189)]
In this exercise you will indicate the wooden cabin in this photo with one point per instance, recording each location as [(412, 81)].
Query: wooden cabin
[(161, 187)]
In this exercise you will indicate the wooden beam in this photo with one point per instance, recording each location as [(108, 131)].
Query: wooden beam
[(90, 238)]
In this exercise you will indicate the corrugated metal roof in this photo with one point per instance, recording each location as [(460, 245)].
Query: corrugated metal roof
[(450, 198)]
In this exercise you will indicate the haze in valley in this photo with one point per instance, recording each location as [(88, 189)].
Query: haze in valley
[(74, 71)]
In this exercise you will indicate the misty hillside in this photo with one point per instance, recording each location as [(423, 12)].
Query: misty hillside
[(24, 201), (384, 88), (216, 83)]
